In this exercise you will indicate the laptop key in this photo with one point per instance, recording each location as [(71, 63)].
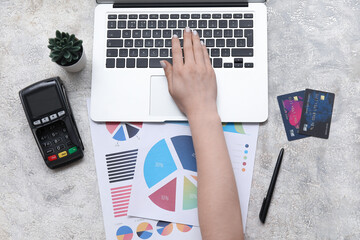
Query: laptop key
[(151, 24), (210, 43), (149, 43), (222, 23), (139, 42), (195, 16), (136, 34), (168, 43), (199, 33), (246, 23), (230, 42), (248, 15), (212, 23), (111, 52), (249, 65), (155, 62), (142, 63), (240, 43), (126, 33), (130, 62), (174, 16), (242, 52), (249, 34), (220, 42), (129, 43), (111, 24), (182, 23), (217, 62), (141, 24), (120, 62), (133, 16), (192, 24), (121, 24), (228, 65), (143, 16), (123, 52), (172, 24), (205, 16), (162, 24), (238, 33), (113, 33), (238, 65), (217, 33), (164, 52), (237, 15), (164, 16), (110, 62), (154, 16), (185, 16), (202, 24), (143, 52), (225, 52), (228, 33), (159, 43), (207, 34), (131, 24), (154, 52), (227, 15), (146, 33), (166, 33), (112, 16), (122, 16), (233, 24), (115, 43), (178, 33), (156, 33), (216, 15), (215, 52)]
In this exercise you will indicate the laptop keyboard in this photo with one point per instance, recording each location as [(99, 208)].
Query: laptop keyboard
[(143, 40)]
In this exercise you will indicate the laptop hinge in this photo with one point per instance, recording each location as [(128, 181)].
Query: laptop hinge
[(189, 4)]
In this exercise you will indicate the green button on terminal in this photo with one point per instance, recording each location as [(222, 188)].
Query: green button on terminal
[(72, 150)]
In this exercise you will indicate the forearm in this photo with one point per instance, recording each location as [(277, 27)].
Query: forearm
[(218, 201)]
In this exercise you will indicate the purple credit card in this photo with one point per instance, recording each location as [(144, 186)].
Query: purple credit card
[(291, 108)]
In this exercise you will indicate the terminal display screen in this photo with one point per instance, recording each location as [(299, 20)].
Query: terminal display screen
[(43, 101)]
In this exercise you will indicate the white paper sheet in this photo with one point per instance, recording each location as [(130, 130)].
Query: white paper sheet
[(116, 148), (165, 183)]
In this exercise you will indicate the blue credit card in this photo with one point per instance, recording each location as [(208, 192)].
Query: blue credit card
[(317, 113), (290, 108)]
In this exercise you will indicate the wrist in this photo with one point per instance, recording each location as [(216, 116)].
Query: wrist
[(204, 116)]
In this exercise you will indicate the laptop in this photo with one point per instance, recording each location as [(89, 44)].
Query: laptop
[(132, 36)]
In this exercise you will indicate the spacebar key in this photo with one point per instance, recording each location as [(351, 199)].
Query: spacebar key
[(155, 62), (242, 52)]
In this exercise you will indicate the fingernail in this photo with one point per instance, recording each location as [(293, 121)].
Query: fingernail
[(195, 32), (175, 36), (187, 29), (202, 43), (162, 63)]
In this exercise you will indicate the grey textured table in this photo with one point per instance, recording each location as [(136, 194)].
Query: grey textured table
[(312, 44)]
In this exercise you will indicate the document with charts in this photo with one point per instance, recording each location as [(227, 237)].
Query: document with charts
[(165, 182)]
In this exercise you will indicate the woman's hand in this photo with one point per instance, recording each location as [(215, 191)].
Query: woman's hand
[(192, 81)]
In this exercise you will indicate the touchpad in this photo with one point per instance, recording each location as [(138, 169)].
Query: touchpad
[(161, 102)]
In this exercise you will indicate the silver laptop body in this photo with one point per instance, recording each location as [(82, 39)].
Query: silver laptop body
[(130, 37)]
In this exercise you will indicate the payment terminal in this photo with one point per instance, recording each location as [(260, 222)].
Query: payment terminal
[(52, 123)]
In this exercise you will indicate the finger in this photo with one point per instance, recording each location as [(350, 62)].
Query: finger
[(206, 55), (168, 69), (188, 48), (197, 48), (176, 52)]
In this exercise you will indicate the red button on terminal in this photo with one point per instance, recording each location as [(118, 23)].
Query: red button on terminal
[(52, 157)]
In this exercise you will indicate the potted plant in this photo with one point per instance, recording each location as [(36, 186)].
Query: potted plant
[(67, 51)]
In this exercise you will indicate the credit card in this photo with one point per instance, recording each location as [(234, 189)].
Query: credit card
[(317, 113), (291, 107)]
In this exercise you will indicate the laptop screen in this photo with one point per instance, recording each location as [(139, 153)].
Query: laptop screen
[(164, 1)]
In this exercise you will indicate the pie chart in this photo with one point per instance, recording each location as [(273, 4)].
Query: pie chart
[(123, 131), (164, 228), (180, 163), (124, 233), (183, 227), (144, 230)]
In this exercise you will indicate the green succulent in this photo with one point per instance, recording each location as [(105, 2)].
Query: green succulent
[(65, 49)]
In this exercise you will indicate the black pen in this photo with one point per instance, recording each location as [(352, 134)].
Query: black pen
[(267, 199)]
